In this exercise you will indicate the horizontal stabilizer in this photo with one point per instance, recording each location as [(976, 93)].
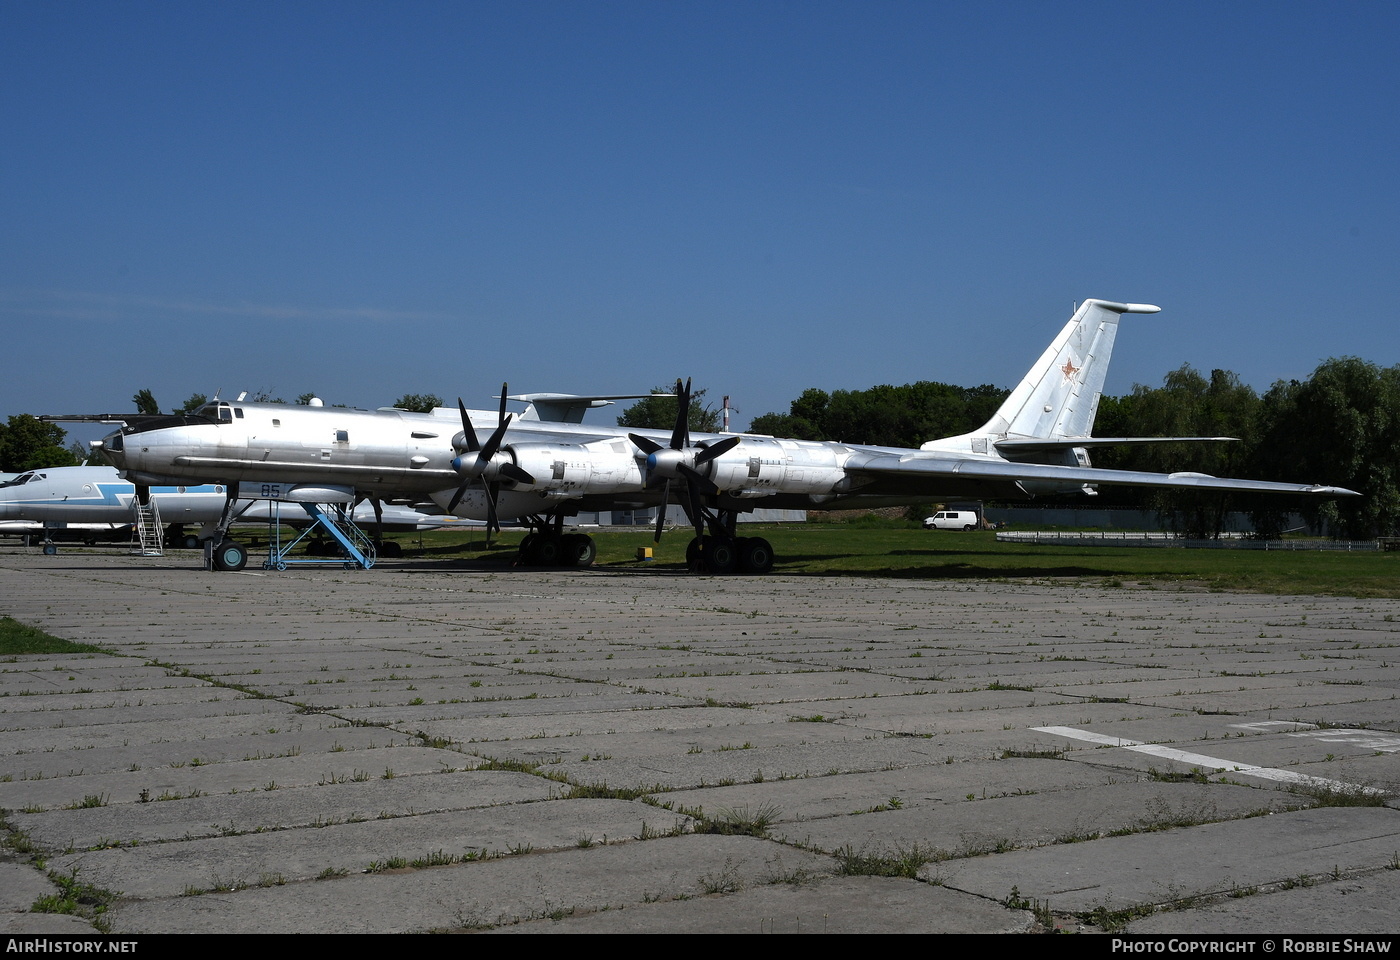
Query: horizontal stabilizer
[(568, 408), (940, 468)]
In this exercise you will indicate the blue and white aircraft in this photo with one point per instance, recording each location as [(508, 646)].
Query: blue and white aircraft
[(95, 503)]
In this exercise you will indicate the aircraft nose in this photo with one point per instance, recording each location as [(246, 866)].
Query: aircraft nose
[(111, 448)]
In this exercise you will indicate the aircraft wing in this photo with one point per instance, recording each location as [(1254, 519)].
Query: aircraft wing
[(1023, 445), (911, 469)]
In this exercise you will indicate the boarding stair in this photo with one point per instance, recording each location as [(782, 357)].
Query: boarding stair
[(146, 538), (356, 547)]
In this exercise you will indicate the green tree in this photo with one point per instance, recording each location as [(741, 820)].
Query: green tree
[(195, 401), (1187, 404), (145, 402), (27, 443), (418, 402), (903, 416), (659, 413), (1341, 427), (806, 419)]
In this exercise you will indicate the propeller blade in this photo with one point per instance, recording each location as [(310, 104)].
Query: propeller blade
[(457, 497), (468, 432), (696, 480), (696, 510), (645, 444), (680, 433), (511, 472), (494, 441), (492, 523), (661, 512), (717, 450)]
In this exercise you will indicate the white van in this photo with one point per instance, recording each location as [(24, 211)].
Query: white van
[(951, 520)]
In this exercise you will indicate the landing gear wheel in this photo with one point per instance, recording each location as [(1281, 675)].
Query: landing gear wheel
[(545, 552), (526, 557), (720, 556), (391, 549), (230, 556), (579, 550), (755, 555), (190, 542), (692, 554), (50, 549)]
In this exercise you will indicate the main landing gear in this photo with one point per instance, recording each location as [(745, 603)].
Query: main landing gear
[(725, 555), (721, 553), (547, 545)]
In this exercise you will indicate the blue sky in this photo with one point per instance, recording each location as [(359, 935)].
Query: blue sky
[(364, 199)]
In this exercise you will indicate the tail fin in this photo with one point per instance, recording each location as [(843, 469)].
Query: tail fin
[(1060, 395)]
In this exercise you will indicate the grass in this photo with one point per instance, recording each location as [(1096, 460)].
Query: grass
[(1033, 753), (77, 898), (739, 821), (1324, 794), (901, 862), (17, 639), (901, 550)]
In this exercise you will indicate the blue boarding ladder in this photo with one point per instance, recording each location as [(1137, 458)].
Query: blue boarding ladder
[(356, 546)]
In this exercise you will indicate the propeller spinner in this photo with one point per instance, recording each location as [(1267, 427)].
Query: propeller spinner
[(681, 460), (476, 461)]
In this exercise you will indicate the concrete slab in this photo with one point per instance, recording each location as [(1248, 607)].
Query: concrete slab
[(482, 894), (525, 710), (345, 801), (834, 905), (1355, 906), (1216, 859)]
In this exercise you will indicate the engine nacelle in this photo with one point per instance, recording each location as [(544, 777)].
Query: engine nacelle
[(563, 470), (762, 466)]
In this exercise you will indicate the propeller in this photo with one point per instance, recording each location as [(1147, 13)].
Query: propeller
[(475, 461), (681, 460)]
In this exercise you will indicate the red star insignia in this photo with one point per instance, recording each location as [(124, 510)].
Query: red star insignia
[(1069, 370)]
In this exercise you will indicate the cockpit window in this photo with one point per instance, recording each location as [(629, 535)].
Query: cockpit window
[(206, 415), (238, 412)]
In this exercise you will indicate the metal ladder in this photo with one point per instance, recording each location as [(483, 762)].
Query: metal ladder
[(146, 536), (335, 520)]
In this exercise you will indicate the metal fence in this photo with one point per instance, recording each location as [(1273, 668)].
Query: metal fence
[(1139, 538)]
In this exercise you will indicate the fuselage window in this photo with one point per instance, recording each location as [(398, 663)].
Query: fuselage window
[(238, 412), (276, 423), (342, 436)]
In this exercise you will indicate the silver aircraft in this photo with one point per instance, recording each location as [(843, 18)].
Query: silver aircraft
[(546, 465), (95, 503)]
